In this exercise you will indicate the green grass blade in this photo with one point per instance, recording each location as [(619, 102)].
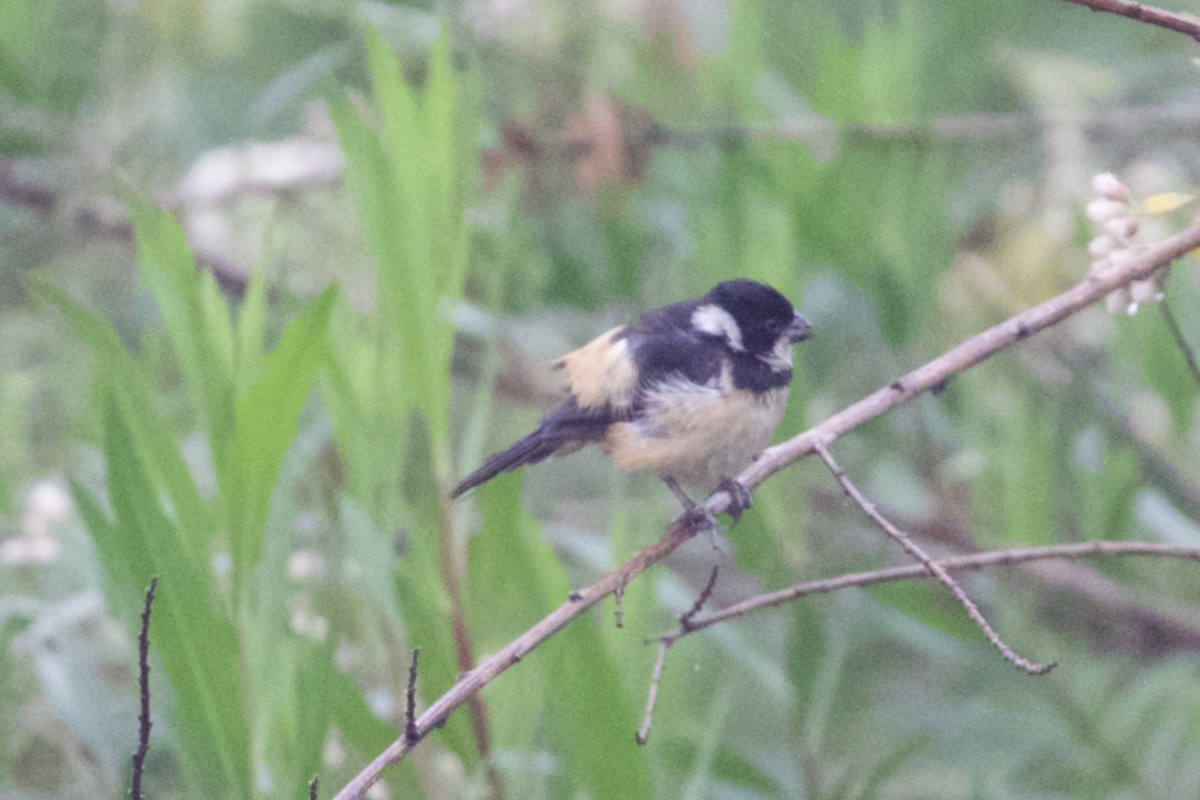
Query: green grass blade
[(251, 323), (266, 417), (156, 443), (198, 645), (196, 320)]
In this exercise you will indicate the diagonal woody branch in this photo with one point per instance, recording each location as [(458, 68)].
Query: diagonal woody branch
[(1180, 23), (966, 355), (933, 374)]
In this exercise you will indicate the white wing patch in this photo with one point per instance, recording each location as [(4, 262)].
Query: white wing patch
[(714, 320)]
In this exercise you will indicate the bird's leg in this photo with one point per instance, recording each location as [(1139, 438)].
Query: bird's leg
[(739, 497), (696, 514)]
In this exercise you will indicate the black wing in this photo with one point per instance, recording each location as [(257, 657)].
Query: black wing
[(567, 428)]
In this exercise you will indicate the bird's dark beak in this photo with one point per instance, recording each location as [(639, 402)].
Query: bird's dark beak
[(799, 330)]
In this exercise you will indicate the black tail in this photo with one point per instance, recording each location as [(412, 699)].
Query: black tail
[(537, 446), (564, 430)]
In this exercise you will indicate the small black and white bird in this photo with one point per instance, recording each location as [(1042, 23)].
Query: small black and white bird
[(693, 391)]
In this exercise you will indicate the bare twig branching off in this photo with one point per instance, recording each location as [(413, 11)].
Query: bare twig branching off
[(618, 611), (685, 623), (312, 788), (932, 566), (1148, 14), (643, 734), (971, 352), (144, 724), (976, 561), (411, 734)]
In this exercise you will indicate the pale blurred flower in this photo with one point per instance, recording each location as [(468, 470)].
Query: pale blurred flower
[(304, 564), (1112, 246), (47, 505), (1109, 185)]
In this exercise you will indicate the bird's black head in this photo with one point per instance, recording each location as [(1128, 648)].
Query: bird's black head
[(750, 317)]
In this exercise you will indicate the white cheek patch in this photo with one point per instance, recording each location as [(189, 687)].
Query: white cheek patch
[(717, 321), (780, 357)]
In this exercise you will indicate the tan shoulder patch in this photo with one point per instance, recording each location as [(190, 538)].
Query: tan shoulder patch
[(602, 372)]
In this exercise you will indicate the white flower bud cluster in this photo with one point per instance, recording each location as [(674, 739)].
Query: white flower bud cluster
[(1112, 246)]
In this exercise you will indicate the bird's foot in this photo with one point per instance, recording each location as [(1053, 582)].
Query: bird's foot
[(739, 497), (696, 516)]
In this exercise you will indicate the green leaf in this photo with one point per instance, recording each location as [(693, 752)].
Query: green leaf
[(500, 608), (266, 416), (251, 322), (197, 643), (195, 316), (931, 603), (129, 385), (590, 718), (409, 183), (1146, 339)]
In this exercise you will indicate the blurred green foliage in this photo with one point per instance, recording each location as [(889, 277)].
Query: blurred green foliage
[(515, 179)]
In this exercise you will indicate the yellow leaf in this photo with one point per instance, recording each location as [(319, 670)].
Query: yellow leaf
[(1167, 201)]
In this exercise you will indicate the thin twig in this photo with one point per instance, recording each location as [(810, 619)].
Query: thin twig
[(312, 788), (971, 352), (1148, 14), (976, 561), (643, 734), (685, 621), (144, 724), (618, 611), (936, 571), (411, 734), (1189, 355)]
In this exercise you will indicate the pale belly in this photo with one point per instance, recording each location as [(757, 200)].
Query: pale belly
[(698, 438)]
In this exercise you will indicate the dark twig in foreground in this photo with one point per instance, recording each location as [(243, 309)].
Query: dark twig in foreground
[(618, 611), (1148, 14), (936, 571), (1189, 355), (976, 561), (411, 734), (685, 621), (971, 352), (312, 788), (144, 724)]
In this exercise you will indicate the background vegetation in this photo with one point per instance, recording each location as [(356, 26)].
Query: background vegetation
[(272, 273)]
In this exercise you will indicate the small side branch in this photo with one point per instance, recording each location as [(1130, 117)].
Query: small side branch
[(685, 621), (1148, 14), (312, 788), (976, 561), (932, 566), (144, 724), (643, 734), (685, 624), (411, 734)]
